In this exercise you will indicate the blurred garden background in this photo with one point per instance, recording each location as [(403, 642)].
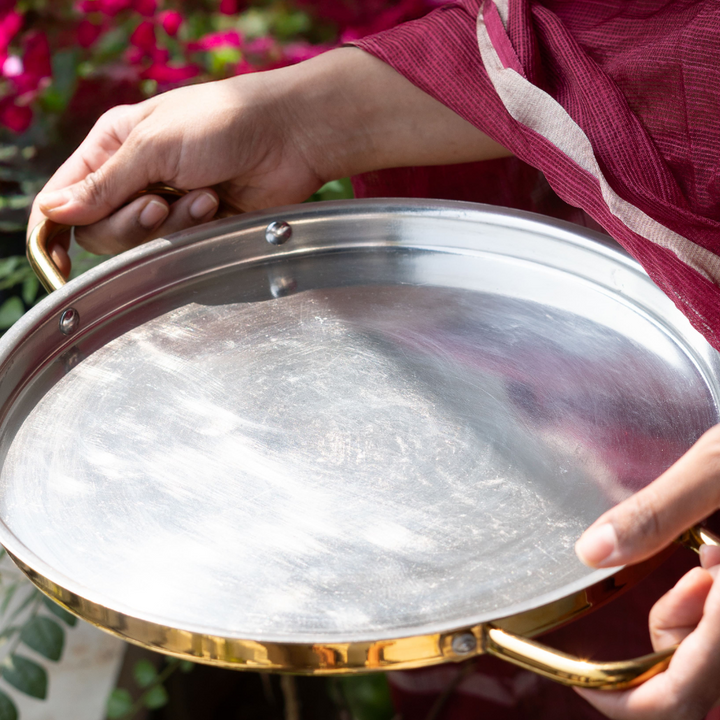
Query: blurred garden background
[(62, 64)]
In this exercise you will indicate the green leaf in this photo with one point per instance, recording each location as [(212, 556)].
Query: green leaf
[(25, 675), (10, 312), (368, 697), (119, 704), (31, 596), (9, 265), (44, 636), (30, 288), (186, 666), (289, 23), (144, 673), (8, 711), (9, 594), (156, 697), (59, 611)]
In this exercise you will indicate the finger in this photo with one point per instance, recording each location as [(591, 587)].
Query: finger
[(147, 218), (146, 155), (101, 143), (130, 226), (58, 249), (709, 555), (676, 614), (655, 516), (686, 690)]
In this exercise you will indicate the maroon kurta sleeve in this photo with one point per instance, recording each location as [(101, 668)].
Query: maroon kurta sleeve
[(615, 103)]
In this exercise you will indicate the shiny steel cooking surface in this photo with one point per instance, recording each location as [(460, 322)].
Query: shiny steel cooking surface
[(394, 430)]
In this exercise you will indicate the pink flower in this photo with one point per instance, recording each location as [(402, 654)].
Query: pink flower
[(10, 24), (228, 38), (134, 56), (106, 7), (145, 7), (244, 67), (143, 36), (166, 74), (229, 7), (261, 45), (88, 32), (15, 117), (36, 65), (171, 20), (12, 67)]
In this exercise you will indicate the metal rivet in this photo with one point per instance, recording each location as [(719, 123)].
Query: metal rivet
[(69, 321), (464, 643), (278, 233)]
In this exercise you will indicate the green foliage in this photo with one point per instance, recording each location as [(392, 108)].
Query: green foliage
[(144, 673), (59, 611), (10, 312), (156, 697), (44, 636), (8, 711), (25, 675), (119, 704), (366, 697), (334, 190), (25, 624)]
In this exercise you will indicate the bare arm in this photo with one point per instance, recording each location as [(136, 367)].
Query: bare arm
[(256, 140)]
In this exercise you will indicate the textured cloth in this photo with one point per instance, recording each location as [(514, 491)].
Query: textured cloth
[(611, 109), (616, 102)]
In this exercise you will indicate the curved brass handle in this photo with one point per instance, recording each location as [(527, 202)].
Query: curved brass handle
[(39, 257), (37, 245), (570, 670)]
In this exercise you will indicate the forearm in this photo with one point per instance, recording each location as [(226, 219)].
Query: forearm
[(353, 113)]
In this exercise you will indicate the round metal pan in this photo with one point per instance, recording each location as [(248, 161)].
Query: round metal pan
[(344, 436)]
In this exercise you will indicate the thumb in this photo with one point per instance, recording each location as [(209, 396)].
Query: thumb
[(99, 193), (655, 516)]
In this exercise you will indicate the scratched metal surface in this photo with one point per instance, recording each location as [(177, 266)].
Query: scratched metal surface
[(359, 458)]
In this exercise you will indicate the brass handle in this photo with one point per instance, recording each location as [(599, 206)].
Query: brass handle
[(570, 670), (37, 245), (39, 257)]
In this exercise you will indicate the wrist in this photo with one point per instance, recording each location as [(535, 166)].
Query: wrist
[(347, 112)]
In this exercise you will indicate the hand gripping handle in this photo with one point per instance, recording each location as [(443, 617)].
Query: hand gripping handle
[(570, 670)]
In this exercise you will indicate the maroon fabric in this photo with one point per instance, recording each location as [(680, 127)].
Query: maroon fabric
[(642, 79)]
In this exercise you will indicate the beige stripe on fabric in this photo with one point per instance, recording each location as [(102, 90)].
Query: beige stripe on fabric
[(540, 112)]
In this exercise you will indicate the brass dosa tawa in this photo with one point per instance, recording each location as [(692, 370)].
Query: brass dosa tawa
[(342, 436)]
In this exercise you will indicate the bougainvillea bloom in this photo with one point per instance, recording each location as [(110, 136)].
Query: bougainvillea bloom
[(229, 7), (171, 20), (10, 24), (228, 38), (87, 33), (16, 117), (169, 75), (145, 7), (107, 7), (143, 36)]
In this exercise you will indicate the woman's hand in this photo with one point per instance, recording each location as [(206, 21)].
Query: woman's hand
[(689, 614), (254, 141)]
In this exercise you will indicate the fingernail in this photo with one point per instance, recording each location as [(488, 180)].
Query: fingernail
[(203, 205), (597, 546), (153, 214), (709, 556), (53, 200)]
